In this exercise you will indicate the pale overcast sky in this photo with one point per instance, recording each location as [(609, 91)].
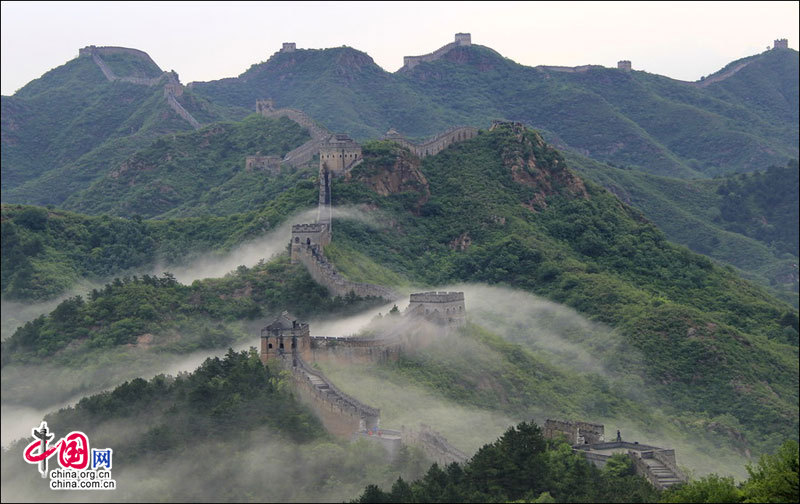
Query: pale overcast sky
[(208, 40)]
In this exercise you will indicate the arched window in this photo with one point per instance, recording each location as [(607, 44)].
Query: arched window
[(269, 346), (297, 239)]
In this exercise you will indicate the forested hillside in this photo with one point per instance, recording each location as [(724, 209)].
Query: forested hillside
[(748, 221)]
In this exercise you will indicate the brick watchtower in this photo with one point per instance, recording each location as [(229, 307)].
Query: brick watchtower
[(284, 336)]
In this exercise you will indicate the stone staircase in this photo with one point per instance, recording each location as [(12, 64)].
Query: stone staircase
[(663, 476)]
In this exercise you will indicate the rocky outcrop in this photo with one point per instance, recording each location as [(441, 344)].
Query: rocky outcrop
[(535, 164), (402, 176)]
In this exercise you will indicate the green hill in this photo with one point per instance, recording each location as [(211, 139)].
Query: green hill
[(504, 208), (746, 221), (196, 173), (68, 127), (711, 341)]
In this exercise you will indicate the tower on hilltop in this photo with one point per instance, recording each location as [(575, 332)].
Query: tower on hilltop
[(463, 39), (624, 65), (289, 47), (781, 44), (337, 154)]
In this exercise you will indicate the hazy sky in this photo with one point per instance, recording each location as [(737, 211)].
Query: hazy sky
[(209, 40)]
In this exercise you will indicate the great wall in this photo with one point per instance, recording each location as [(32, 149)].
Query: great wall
[(289, 343), (172, 87)]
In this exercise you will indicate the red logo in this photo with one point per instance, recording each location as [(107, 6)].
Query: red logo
[(73, 450)]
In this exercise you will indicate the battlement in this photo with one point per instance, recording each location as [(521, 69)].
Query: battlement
[(442, 308), (288, 47), (657, 465), (308, 228), (436, 144), (308, 236), (781, 44), (437, 297), (577, 433), (624, 65)]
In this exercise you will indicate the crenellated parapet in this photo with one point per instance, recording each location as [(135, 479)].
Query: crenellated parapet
[(442, 308), (436, 144), (325, 273), (269, 164)]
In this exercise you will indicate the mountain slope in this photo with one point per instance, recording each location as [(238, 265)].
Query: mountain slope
[(504, 208), (60, 131), (657, 124), (198, 172), (747, 221)]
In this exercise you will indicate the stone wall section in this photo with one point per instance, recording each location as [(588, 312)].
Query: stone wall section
[(178, 108), (303, 154), (269, 164), (577, 433), (435, 446), (325, 274), (436, 144), (354, 350), (341, 414)]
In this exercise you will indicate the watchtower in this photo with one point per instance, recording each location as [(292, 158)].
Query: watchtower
[(781, 44), (265, 106), (624, 65), (337, 153), (463, 39), (306, 236), (285, 335), (442, 308), (288, 47)]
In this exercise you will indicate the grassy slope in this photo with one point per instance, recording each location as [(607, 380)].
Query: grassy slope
[(45, 252)]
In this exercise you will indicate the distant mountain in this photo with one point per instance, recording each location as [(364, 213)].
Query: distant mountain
[(64, 129), (738, 121)]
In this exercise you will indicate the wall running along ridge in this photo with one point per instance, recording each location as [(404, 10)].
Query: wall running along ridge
[(172, 88), (436, 144)]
